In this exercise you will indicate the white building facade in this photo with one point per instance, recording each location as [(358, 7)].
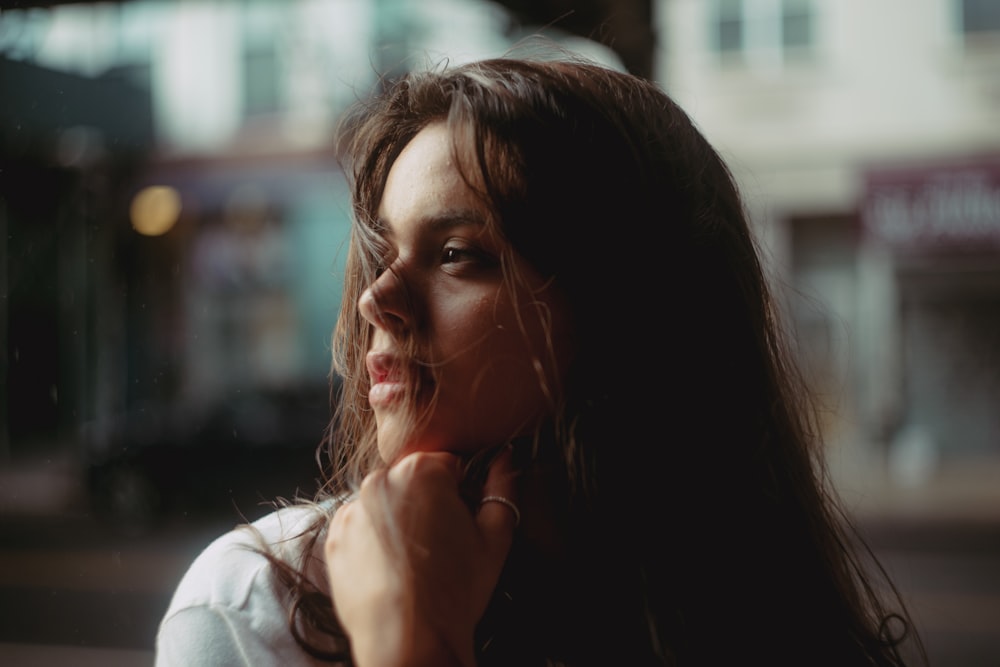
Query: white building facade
[(866, 139), (865, 136)]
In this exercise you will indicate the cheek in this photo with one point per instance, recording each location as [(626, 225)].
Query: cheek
[(461, 326), (516, 349), (485, 338)]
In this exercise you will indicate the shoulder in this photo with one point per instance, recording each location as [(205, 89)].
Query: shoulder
[(229, 568), (228, 603)]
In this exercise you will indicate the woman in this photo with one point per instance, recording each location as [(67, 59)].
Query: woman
[(569, 432)]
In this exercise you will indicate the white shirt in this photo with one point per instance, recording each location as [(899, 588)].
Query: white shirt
[(229, 609)]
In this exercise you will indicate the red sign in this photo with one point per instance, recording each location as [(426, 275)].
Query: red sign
[(938, 207)]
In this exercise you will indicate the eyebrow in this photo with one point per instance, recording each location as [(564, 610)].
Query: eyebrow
[(439, 222)]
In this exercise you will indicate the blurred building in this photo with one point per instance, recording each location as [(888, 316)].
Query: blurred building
[(174, 174), (866, 138), (172, 227), (174, 216)]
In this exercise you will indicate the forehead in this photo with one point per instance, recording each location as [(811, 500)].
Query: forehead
[(425, 181)]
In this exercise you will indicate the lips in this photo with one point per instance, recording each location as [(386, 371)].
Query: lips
[(382, 367), (385, 371)]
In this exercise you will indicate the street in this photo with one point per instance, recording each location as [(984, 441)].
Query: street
[(73, 592), (949, 577)]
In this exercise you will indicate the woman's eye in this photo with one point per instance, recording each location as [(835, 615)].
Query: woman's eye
[(453, 254), (467, 257)]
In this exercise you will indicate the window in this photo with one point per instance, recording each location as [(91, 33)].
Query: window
[(979, 16), (261, 79), (729, 26), (763, 33), (264, 27), (796, 24)]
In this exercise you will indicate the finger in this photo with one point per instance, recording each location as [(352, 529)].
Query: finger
[(501, 480), (416, 468), (371, 487), (346, 521), (497, 519), (448, 462)]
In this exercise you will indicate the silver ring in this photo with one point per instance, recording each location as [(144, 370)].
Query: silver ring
[(504, 501)]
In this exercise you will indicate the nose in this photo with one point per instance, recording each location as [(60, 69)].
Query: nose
[(385, 303)]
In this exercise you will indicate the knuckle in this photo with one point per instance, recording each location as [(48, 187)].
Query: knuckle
[(431, 467)]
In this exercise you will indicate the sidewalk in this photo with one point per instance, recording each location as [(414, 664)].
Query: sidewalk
[(42, 486), (34, 655), (938, 534), (961, 492), (966, 492)]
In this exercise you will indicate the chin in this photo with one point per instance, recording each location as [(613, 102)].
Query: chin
[(392, 438)]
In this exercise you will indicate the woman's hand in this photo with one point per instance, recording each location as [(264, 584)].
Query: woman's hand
[(411, 567)]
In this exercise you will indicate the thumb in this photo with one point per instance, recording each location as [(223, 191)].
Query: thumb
[(499, 513)]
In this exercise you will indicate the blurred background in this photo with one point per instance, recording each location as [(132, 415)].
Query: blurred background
[(172, 228)]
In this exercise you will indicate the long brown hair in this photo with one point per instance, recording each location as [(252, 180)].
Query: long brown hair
[(696, 521)]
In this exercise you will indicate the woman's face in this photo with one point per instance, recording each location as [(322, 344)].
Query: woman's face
[(491, 353)]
